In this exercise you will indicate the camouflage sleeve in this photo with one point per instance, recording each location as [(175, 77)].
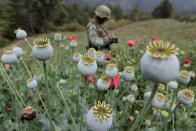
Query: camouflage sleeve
[(93, 35)]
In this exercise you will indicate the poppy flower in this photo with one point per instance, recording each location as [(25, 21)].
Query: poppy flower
[(130, 43), (115, 82), (72, 38), (60, 44), (138, 41), (155, 39), (52, 56), (187, 60), (10, 109), (7, 66), (17, 81), (90, 79), (143, 43), (107, 57)]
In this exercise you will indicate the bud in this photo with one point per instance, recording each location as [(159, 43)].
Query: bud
[(28, 114)]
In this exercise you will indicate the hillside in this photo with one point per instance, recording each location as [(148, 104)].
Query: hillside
[(181, 6)]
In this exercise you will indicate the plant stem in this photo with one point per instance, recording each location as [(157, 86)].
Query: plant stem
[(68, 110), (12, 90), (144, 110), (48, 93), (170, 114), (26, 68)]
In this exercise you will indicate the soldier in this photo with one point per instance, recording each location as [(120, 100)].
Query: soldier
[(96, 29)]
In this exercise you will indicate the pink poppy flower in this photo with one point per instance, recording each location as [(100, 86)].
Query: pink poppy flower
[(115, 82), (138, 41), (72, 38), (52, 56), (7, 66), (60, 44), (143, 43), (107, 57), (130, 43), (10, 109), (155, 39), (17, 81), (90, 79), (187, 60)]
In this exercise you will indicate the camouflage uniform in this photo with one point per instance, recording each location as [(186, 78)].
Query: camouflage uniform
[(94, 31)]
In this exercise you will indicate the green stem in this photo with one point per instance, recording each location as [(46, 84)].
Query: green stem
[(26, 68), (67, 107), (144, 110), (48, 92), (170, 114), (12, 90)]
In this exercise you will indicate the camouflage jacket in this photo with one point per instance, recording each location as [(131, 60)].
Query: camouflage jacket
[(95, 31)]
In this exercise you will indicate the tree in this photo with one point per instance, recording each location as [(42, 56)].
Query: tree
[(164, 10), (134, 15), (117, 12)]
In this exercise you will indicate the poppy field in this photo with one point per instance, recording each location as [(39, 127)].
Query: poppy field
[(145, 82)]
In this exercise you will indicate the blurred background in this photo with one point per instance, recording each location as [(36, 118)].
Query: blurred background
[(44, 16)]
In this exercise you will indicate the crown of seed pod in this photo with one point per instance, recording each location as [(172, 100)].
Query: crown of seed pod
[(161, 87), (103, 83), (128, 73), (170, 105), (28, 114), (157, 112), (87, 65), (99, 117), (186, 96), (134, 87), (184, 77), (111, 70), (92, 52), (42, 49), (160, 63), (9, 57), (158, 100)]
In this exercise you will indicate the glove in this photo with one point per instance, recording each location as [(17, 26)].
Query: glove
[(114, 40)]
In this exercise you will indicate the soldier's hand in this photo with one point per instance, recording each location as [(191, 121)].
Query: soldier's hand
[(114, 40)]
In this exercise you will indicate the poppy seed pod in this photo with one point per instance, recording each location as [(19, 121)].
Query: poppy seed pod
[(18, 51), (92, 52), (21, 34), (128, 73), (28, 114), (42, 49), (87, 65), (38, 76), (186, 96), (9, 57), (58, 37), (99, 56), (158, 100), (76, 57), (73, 43), (111, 70), (184, 77), (31, 83), (99, 42), (160, 63), (99, 117), (103, 83), (131, 98), (172, 85)]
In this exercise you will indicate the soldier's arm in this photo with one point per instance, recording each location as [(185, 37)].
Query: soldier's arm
[(93, 35)]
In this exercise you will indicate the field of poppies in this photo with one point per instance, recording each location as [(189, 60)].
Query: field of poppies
[(145, 82)]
